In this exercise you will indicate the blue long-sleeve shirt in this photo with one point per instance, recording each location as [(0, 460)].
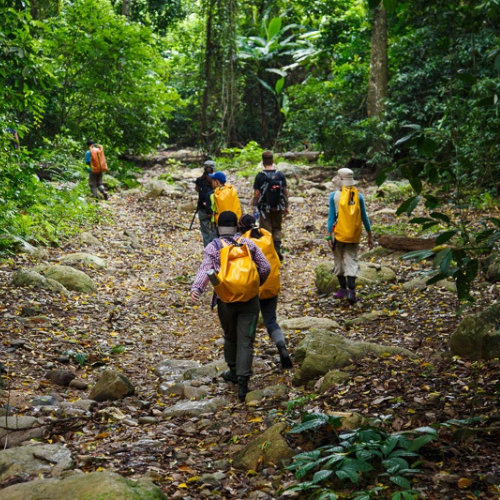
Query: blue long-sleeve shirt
[(332, 214)]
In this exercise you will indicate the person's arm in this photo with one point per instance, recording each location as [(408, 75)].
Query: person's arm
[(16, 138), (332, 219), (211, 260), (366, 221), (87, 157)]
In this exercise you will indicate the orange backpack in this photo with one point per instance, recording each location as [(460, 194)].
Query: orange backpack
[(226, 199), (349, 226), (271, 287), (97, 160), (238, 277)]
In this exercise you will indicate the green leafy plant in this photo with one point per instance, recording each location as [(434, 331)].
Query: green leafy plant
[(362, 456)]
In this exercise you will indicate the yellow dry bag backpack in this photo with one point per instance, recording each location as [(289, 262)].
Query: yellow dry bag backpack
[(226, 199), (348, 226), (238, 277), (272, 285)]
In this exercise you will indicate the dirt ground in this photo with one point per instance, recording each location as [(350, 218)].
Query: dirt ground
[(142, 315)]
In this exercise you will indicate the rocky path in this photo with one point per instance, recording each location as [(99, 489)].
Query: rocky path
[(142, 324)]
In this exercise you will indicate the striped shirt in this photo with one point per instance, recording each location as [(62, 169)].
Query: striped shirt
[(211, 260)]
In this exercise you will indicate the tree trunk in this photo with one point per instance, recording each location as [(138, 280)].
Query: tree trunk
[(405, 244), (126, 8), (207, 73), (377, 85)]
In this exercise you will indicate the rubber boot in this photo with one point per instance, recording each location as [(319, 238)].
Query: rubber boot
[(103, 192), (342, 293), (285, 360), (277, 246), (95, 192), (351, 293), (242, 388), (230, 376)]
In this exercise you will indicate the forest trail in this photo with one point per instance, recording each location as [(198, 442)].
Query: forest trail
[(142, 315)]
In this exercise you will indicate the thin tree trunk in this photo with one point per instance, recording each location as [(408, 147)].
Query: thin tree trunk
[(126, 8), (377, 85), (207, 73)]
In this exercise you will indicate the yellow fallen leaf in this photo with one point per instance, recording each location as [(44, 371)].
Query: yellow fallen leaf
[(183, 485), (463, 482), (255, 419)]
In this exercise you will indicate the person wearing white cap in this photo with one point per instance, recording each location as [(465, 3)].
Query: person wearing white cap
[(346, 216)]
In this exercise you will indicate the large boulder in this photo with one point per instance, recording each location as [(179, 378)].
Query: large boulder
[(270, 448), (322, 351), (112, 386), (33, 460), (478, 335), (27, 277), (92, 486), (369, 274), (84, 258), (70, 278)]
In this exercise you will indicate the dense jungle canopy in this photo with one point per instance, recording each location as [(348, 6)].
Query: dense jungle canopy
[(404, 92)]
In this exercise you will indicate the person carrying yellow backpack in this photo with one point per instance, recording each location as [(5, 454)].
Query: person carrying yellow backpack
[(233, 261), (346, 217), (224, 198), (269, 291)]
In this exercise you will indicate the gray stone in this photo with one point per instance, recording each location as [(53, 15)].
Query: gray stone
[(214, 479), (85, 404), (307, 323), (273, 391), (171, 367), (366, 318), (80, 385), (270, 448), (16, 430), (90, 239), (60, 377), (369, 274), (195, 408), (493, 272), (331, 379), (84, 258), (148, 420), (111, 386), (156, 188), (421, 284), (297, 200), (134, 240), (92, 486), (44, 401), (321, 351), (191, 392), (377, 251), (211, 370), (478, 335), (26, 277), (70, 278), (34, 460)]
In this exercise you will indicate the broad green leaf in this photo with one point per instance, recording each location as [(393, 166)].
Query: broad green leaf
[(279, 85), (418, 255), (401, 481), (348, 474), (274, 27), (427, 145), (320, 475), (446, 236), (420, 220), (417, 443), (408, 205), (467, 78), (266, 86), (382, 177), (390, 5), (440, 216)]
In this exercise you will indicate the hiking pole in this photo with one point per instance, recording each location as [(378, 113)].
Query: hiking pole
[(192, 220)]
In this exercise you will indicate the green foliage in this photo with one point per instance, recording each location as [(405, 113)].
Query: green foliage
[(363, 457), (245, 161)]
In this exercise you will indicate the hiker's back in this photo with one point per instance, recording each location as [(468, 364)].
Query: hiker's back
[(98, 160), (272, 185)]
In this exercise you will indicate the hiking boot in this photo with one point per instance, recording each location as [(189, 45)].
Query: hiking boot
[(351, 297), (285, 360), (230, 376), (341, 294), (105, 195), (242, 388)]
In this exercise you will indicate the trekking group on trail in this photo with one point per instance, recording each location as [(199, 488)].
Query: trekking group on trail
[(242, 256)]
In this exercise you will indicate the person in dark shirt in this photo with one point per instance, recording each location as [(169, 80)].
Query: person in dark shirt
[(204, 190), (270, 199)]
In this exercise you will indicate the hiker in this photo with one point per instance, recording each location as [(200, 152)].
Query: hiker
[(268, 292), (238, 319), (270, 199), (224, 198), (346, 216), (204, 190), (96, 162)]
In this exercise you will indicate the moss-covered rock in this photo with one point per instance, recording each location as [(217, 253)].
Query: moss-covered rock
[(493, 272), (327, 282), (84, 258), (270, 448), (27, 277), (70, 278), (322, 351), (93, 486), (478, 335), (112, 386)]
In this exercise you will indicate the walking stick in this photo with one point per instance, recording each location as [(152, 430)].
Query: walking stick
[(192, 220)]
